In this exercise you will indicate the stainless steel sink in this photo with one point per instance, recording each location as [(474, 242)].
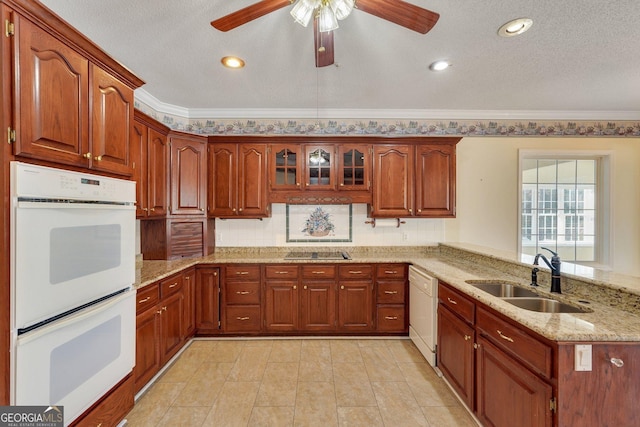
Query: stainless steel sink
[(544, 305), (502, 290)]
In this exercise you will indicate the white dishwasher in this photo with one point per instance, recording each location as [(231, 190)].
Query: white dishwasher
[(423, 301)]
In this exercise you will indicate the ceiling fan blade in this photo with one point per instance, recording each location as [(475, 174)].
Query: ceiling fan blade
[(249, 13), (400, 12), (323, 43)]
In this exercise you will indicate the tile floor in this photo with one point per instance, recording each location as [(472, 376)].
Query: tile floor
[(300, 382)]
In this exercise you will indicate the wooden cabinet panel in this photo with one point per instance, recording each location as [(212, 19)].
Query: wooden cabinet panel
[(391, 271), (146, 298), (320, 169), (391, 318), (147, 346), (355, 271), (393, 169), (355, 305), (222, 180), (242, 318), (252, 180), (435, 180), (318, 307), (507, 393), (457, 303), (171, 325), (354, 167), (318, 271), (52, 99), (281, 305), (285, 170), (242, 292), (281, 272), (391, 292), (111, 118), (455, 353), (157, 174), (207, 300), (111, 409), (139, 136), (188, 175), (242, 272), (189, 289)]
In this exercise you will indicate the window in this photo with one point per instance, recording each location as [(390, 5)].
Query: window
[(559, 207)]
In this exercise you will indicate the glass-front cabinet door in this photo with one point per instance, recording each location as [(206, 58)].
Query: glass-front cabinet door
[(354, 171), (319, 167), (286, 167)]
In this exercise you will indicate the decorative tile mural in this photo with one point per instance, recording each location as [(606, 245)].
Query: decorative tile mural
[(381, 127)]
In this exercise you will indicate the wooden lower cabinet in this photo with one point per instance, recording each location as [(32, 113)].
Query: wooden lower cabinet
[(207, 300), (318, 306), (507, 393), (281, 306), (355, 306), (189, 286), (241, 299), (112, 408)]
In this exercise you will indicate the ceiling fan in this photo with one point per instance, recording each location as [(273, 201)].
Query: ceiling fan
[(397, 11)]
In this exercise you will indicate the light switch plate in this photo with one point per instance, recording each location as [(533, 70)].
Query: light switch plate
[(583, 354)]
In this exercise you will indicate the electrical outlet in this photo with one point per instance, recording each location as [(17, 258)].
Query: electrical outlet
[(404, 237), (218, 236)]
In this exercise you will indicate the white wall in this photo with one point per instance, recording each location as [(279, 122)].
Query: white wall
[(487, 193)]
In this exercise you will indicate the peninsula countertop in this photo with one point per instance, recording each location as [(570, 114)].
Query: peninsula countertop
[(612, 301)]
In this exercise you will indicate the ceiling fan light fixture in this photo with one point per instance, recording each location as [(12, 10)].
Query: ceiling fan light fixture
[(302, 11), (326, 19), (515, 27), (439, 66), (232, 62), (341, 8)]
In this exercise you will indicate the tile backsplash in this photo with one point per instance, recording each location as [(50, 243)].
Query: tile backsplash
[(272, 231)]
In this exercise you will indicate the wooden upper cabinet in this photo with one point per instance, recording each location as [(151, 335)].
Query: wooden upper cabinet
[(51, 99), (69, 109), (393, 170), (354, 167), (320, 167), (285, 172), (435, 180), (111, 117), (238, 180), (188, 175)]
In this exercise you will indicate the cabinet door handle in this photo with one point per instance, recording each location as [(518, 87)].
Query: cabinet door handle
[(143, 300), (390, 292), (355, 272), (390, 272), (504, 337), (242, 318), (242, 273), (173, 285), (342, 287), (87, 155), (97, 158), (159, 312), (164, 308), (295, 287), (454, 302), (467, 337), (242, 292), (618, 363), (305, 286), (391, 317)]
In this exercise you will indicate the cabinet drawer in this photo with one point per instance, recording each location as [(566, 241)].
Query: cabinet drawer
[(147, 297), (391, 318), (242, 292), (357, 271), (391, 292), (281, 271), (242, 318), (318, 271), (456, 302), (170, 285), (391, 271), (243, 272), (512, 339)]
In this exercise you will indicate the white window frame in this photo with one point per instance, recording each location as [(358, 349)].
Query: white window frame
[(604, 187)]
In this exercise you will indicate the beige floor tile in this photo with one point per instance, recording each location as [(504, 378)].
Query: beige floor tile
[(145, 415), (278, 393), (234, 404), (345, 351), (374, 342), (226, 351), (267, 416), (184, 368), (275, 371), (354, 393), (200, 391), (315, 417), (316, 342), (214, 371), (359, 417), (427, 387), (405, 351), (443, 416), (285, 351), (350, 371), (383, 372), (315, 394), (264, 344), (250, 364), (315, 371), (162, 395), (316, 354), (397, 405), (184, 417)]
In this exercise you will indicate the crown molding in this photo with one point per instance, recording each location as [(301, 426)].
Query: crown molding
[(366, 114)]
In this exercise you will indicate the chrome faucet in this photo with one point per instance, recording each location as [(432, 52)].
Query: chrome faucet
[(554, 265)]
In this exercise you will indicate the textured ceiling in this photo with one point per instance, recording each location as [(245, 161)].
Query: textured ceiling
[(579, 60)]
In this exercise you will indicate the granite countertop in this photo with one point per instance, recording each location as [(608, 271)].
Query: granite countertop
[(613, 300)]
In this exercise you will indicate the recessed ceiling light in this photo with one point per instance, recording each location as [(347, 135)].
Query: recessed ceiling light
[(232, 62), (515, 27), (439, 66)]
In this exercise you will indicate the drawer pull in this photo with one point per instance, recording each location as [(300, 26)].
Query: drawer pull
[(295, 287), (242, 292), (390, 292), (143, 300), (390, 272), (318, 272), (452, 301), (242, 318), (173, 285), (504, 337), (159, 312), (355, 272), (305, 286), (467, 337), (618, 363), (391, 317), (282, 272), (242, 273)]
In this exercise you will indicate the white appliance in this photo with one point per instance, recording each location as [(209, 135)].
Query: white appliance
[(423, 304), (72, 302)]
